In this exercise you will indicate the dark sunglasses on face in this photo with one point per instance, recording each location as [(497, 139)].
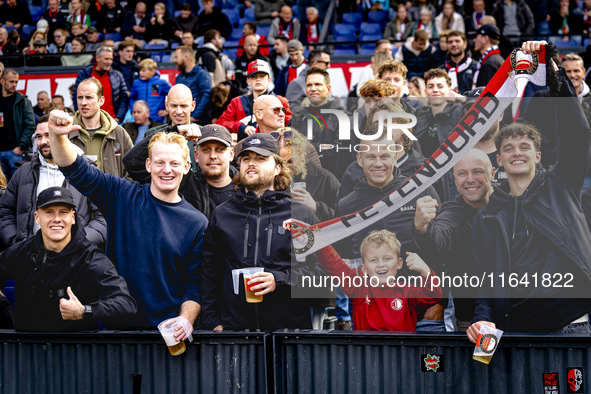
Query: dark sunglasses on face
[(276, 110), (287, 134)]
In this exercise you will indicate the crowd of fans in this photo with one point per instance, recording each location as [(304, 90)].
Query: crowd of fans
[(147, 194)]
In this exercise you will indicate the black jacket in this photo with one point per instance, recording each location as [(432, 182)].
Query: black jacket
[(408, 166), (525, 17), (19, 202), (194, 186), (326, 132), (111, 19), (465, 78), (488, 69), (253, 226), (446, 121), (322, 186), (217, 20), (42, 277), (551, 207), (449, 236), (364, 196)]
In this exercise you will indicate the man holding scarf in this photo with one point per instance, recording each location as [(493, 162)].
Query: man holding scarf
[(487, 43)]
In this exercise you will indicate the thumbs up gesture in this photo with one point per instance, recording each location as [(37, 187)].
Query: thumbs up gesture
[(71, 309)]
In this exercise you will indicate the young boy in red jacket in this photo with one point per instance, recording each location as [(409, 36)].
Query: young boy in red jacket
[(382, 305)]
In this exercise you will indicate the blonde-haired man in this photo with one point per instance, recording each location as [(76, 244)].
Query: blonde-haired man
[(159, 262)]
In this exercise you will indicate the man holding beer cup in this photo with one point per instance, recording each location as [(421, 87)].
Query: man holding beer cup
[(154, 236), (246, 233)]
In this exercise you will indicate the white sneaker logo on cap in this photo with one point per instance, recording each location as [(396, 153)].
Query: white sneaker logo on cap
[(256, 141), (57, 193)]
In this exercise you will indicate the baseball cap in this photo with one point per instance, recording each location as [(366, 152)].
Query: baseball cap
[(42, 25), (214, 132), (489, 30), (55, 196), (40, 43), (92, 29), (258, 66), (294, 45), (259, 143)]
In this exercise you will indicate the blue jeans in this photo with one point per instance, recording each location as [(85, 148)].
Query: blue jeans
[(431, 325), (8, 160)]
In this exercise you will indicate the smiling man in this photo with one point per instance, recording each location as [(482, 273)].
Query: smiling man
[(65, 282), (261, 204), (160, 263), (449, 231), (533, 224)]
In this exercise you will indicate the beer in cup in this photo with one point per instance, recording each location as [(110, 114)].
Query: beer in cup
[(167, 329), (486, 343), (247, 273)]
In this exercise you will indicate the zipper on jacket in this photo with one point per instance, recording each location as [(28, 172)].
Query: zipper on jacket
[(506, 239), (245, 253), (256, 255), (269, 237)]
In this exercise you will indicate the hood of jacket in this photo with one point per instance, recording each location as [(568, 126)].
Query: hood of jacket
[(108, 124), (271, 198), (408, 45), (207, 48), (500, 198), (364, 187)]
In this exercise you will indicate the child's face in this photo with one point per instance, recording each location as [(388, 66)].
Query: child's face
[(381, 263), (146, 74)]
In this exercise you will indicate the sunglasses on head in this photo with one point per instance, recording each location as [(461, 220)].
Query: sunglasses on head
[(287, 134), (276, 110)]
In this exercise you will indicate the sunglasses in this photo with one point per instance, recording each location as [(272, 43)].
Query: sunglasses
[(287, 134), (276, 110)]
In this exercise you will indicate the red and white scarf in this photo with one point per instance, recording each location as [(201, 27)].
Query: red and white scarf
[(312, 33), (497, 96), (493, 50), (453, 72), (286, 29)]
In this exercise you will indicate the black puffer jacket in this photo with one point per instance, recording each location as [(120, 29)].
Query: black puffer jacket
[(322, 186), (42, 277), (253, 228), (549, 209), (19, 202)]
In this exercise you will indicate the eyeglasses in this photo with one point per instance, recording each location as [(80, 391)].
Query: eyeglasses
[(276, 110), (287, 134), (321, 61)]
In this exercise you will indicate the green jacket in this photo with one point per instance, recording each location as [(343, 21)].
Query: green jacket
[(24, 122)]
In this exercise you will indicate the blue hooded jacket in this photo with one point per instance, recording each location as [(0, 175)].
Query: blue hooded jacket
[(199, 81), (153, 91)]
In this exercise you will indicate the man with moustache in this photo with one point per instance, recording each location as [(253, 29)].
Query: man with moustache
[(262, 203), (159, 263), (448, 233), (17, 206)]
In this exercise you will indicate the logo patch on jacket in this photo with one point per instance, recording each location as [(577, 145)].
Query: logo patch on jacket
[(155, 90), (409, 208), (117, 149), (397, 304)]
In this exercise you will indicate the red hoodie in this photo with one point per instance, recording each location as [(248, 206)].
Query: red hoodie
[(381, 308)]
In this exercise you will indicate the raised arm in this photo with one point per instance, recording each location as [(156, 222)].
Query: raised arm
[(60, 125)]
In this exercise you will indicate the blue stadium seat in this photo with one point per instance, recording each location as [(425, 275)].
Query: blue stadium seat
[(263, 30), (370, 29), (233, 16), (114, 36), (231, 53), (8, 29), (242, 21), (36, 11), (27, 30), (371, 37), (345, 46), (249, 13), (235, 35), (367, 51), (174, 45), (177, 13), (343, 30), (294, 9), (306, 53), (344, 52), (156, 56), (380, 17), (166, 58), (353, 19), (585, 41)]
